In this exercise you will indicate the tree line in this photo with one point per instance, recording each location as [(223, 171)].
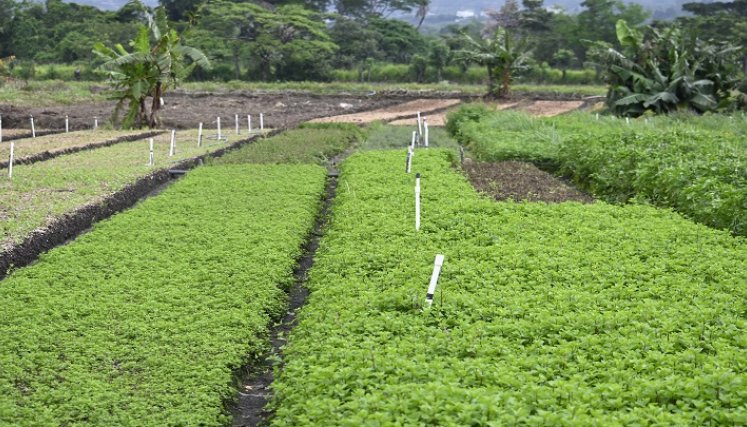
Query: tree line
[(309, 39)]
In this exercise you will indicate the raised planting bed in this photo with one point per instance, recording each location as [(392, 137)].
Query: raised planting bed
[(695, 165), (41, 193), (143, 320), (30, 150), (564, 314), (395, 112)]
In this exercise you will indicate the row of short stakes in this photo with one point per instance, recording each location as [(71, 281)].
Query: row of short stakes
[(420, 136)]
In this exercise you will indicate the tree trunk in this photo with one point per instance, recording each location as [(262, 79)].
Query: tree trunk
[(491, 81), (506, 77), (155, 106)]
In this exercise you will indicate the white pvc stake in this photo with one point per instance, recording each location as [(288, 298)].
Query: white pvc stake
[(261, 121), (67, 124), (434, 280), (420, 124), (1, 128), (238, 132), (417, 201), (219, 135), (33, 128), (425, 125), (199, 135), (410, 153), (95, 123), (161, 101), (172, 147), (414, 136), (597, 116), (627, 120), (10, 163), (249, 122), (151, 161)]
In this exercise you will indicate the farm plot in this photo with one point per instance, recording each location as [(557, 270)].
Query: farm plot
[(40, 193), (406, 109), (143, 320), (697, 166), (563, 314), (51, 145)]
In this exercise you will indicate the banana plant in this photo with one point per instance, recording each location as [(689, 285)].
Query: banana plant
[(158, 62), (665, 71)]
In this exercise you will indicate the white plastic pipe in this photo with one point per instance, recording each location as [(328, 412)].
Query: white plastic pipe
[(1, 128), (420, 124), (95, 123), (219, 135), (199, 135), (261, 121), (414, 136), (10, 163), (249, 122), (172, 147), (417, 201), (425, 125), (410, 153), (627, 120), (161, 101), (434, 280), (67, 124), (33, 128), (597, 116), (151, 159), (238, 131)]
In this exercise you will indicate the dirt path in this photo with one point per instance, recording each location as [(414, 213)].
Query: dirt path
[(520, 181), (407, 109)]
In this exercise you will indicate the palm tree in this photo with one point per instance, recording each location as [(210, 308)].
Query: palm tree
[(500, 55), (157, 63), (423, 9)]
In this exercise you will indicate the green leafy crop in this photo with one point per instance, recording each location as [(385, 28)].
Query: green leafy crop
[(142, 321), (563, 314)]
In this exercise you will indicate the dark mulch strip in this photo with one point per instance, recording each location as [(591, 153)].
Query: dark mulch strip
[(521, 181)]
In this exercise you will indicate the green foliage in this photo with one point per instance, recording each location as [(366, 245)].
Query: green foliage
[(666, 71), (385, 137), (158, 306), (311, 144), (695, 165), (544, 314), (418, 68), (158, 62), (457, 119)]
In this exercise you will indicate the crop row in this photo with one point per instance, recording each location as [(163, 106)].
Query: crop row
[(58, 142), (142, 321), (697, 167), (41, 192), (561, 314)]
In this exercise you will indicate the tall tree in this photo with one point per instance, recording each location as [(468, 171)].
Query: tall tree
[(179, 10)]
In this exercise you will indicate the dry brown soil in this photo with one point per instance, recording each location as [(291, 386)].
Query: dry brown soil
[(407, 109), (520, 181)]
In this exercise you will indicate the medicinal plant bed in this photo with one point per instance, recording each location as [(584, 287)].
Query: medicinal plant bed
[(40, 193), (141, 321), (60, 142), (561, 314)]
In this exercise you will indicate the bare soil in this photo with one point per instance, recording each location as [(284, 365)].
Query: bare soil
[(392, 113), (185, 110), (551, 108), (519, 181)]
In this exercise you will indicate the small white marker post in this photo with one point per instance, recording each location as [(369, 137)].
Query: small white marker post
[(238, 131), (425, 126), (199, 135), (261, 121), (67, 124), (627, 120), (10, 162), (410, 153), (420, 124), (249, 122), (172, 147), (417, 202), (95, 123), (161, 101), (414, 137), (597, 116), (219, 135), (1, 128), (434, 280), (33, 128), (151, 159)]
